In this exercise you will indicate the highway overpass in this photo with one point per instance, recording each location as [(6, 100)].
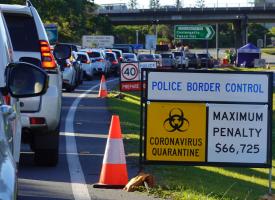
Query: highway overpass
[(239, 16)]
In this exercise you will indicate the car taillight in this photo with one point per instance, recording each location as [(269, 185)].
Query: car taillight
[(114, 62), (120, 58), (8, 99), (100, 60), (47, 58), (37, 120), (88, 62)]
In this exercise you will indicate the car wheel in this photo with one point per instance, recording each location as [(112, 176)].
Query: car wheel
[(46, 157), (70, 88)]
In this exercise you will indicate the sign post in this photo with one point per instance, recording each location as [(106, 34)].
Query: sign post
[(193, 32)]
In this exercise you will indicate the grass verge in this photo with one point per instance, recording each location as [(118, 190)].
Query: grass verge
[(190, 182), (270, 51)]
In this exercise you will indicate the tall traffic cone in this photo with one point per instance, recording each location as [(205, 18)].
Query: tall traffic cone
[(114, 170), (103, 88)]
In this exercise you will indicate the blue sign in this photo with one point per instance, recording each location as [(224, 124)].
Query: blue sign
[(52, 33), (150, 41)]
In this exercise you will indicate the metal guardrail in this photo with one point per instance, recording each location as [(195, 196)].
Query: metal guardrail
[(208, 7)]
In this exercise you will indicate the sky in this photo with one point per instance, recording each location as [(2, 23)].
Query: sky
[(185, 3)]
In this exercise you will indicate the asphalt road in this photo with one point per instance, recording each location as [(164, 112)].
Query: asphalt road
[(85, 126)]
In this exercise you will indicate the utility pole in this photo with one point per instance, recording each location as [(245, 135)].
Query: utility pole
[(136, 36), (178, 4), (217, 40)]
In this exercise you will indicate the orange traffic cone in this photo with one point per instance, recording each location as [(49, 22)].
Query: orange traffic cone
[(102, 89), (114, 170)]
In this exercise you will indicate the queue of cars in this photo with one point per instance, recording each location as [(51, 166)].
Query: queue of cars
[(178, 59), (24, 80), (32, 76)]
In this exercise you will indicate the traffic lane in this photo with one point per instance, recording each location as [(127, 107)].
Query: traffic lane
[(37, 182), (51, 183), (92, 121)]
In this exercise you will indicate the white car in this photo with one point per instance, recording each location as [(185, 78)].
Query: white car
[(86, 64), (181, 58), (17, 80), (68, 75), (129, 57), (99, 63), (40, 116)]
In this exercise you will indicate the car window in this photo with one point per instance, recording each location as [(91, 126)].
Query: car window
[(202, 56), (94, 54), (118, 54), (81, 57), (110, 55), (128, 56), (178, 53), (146, 57), (191, 55), (23, 32), (166, 56), (74, 48)]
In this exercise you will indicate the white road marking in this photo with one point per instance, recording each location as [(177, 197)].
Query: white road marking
[(84, 135), (78, 183)]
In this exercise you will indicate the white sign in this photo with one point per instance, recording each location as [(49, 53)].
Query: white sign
[(97, 41), (148, 65), (129, 72), (223, 87), (237, 133), (150, 41)]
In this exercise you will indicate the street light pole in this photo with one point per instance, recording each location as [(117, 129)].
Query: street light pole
[(136, 36)]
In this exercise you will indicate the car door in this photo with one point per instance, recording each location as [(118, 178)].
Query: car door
[(7, 163)]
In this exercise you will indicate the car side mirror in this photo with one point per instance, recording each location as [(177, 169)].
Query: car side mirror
[(62, 52), (26, 80)]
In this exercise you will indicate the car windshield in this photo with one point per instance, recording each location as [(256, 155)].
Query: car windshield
[(127, 56), (117, 53), (166, 56), (202, 55), (94, 54), (110, 55), (81, 57), (146, 57), (190, 55), (177, 53), (157, 56)]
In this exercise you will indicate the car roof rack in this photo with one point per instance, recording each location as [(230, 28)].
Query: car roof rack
[(28, 3)]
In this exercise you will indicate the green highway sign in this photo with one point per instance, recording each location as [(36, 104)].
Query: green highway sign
[(194, 32)]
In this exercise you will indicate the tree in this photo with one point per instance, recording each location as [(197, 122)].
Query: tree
[(132, 4), (200, 3), (257, 31)]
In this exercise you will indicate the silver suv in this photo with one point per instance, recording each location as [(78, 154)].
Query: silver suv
[(40, 115), (17, 80)]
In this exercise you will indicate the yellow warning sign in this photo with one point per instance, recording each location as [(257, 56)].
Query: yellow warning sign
[(176, 132)]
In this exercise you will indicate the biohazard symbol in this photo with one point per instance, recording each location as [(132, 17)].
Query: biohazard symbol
[(176, 121)]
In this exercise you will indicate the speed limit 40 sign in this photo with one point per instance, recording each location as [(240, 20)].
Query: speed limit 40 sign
[(129, 72)]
